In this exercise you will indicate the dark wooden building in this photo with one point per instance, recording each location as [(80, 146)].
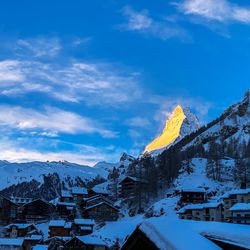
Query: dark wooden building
[(66, 210), (18, 230), (66, 196), (8, 210), (193, 196), (37, 210), (59, 228), (78, 194), (102, 211), (85, 243), (83, 226), (129, 187)]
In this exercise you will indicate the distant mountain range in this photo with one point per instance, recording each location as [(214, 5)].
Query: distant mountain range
[(220, 150)]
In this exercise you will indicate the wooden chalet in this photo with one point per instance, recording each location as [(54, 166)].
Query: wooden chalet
[(87, 202), (8, 210), (66, 210), (78, 194), (59, 228), (102, 211), (129, 186), (86, 242), (18, 230), (31, 241), (66, 196), (37, 210), (192, 196), (20, 200), (83, 226)]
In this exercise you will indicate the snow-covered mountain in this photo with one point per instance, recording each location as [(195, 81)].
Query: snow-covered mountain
[(28, 179), (181, 123)]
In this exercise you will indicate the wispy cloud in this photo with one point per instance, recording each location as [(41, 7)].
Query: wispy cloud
[(92, 83), (23, 150), (216, 10), (138, 122), (142, 22), (38, 47), (50, 121)]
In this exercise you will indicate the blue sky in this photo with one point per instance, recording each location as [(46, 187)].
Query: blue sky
[(84, 81)]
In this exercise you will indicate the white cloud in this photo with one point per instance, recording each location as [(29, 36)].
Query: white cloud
[(140, 21), (218, 10), (138, 122), (50, 121), (92, 83), (22, 150), (38, 47)]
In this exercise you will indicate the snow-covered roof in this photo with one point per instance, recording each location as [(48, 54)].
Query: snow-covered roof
[(90, 240), (66, 193), (240, 207), (11, 242), (84, 222), (194, 190), (100, 190), (68, 225), (60, 223), (34, 237), (89, 228), (57, 223), (18, 225), (235, 192), (174, 236), (40, 247), (131, 178), (79, 190), (199, 206)]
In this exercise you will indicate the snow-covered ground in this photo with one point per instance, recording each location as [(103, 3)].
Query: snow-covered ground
[(198, 178)]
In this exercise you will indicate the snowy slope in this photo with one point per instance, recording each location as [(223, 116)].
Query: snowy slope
[(15, 173)]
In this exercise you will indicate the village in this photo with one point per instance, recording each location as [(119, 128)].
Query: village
[(72, 218)]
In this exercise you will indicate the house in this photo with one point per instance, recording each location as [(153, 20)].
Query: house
[(78, 194), (129, 187), (233, 197), (240, 213), (86, 242), (37, 210), (59, 228), (83, 226), (102, 211), (202, 212), (192, 196), (11, 244), (66, 210), (66, 196), (18, 230), (31, 241), (158, 235), (86, 202), (20, 200), (8, 210)]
